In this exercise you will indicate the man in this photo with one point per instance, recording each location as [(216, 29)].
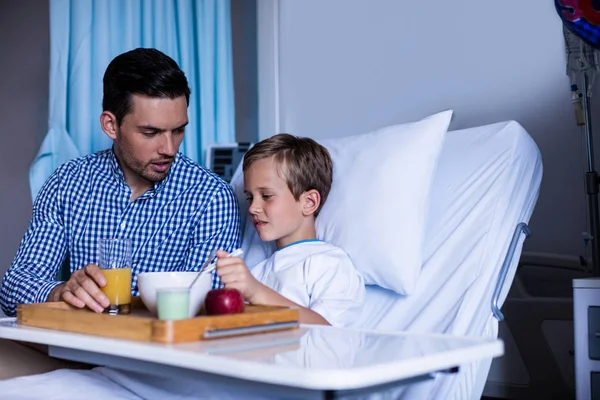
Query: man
[(174, 211)]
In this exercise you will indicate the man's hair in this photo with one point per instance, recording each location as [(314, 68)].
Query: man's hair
[(303, 163), (147, 72)]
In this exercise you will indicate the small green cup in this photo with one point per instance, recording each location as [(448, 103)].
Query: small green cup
[(173, 303)]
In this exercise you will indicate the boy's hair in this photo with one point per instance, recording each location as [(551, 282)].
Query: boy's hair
[(303, 163), (147, 72)]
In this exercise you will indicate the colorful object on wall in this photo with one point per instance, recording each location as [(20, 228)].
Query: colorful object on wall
[(582, 17)]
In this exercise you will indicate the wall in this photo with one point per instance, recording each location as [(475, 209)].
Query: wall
[(341, 67), (25, 49)]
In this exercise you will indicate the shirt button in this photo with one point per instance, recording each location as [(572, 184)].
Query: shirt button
[(123, 225)]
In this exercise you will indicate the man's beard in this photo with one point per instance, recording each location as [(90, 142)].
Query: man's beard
[(143, 170)]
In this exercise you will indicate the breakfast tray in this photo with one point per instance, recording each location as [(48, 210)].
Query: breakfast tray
[(141, 325)]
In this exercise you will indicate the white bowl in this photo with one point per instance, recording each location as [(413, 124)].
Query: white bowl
[(149, 282)]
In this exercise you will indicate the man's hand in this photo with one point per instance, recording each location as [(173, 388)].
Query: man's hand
[(235, 274), (83, 289)]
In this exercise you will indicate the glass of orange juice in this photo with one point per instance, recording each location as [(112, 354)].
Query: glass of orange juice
[(114, 257)]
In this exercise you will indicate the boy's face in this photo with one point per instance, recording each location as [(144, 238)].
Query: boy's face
[(274, 211)]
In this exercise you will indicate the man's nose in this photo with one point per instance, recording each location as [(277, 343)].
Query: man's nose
[(167, 145)]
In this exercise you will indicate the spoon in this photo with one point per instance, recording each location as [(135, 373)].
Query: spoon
[(209, 267)]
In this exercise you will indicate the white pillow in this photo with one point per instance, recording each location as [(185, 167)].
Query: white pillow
[(377, 205)]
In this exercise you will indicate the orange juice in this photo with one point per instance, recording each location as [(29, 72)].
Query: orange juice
[(118, 285)]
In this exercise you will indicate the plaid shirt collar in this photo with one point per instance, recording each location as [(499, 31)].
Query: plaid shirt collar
[(120, 177)]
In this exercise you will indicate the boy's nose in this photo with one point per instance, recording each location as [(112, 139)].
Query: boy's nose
[(254, 209)]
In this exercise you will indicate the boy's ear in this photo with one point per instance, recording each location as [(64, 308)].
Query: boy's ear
[(109, 124), (312, 200)]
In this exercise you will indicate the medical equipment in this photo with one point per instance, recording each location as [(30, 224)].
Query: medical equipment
[(223, 158), (581, 30)]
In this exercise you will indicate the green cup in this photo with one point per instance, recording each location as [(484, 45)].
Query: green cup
[(173, 303)]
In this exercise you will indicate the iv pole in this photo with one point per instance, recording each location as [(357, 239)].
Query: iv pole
[(582, 60), (591, 180)]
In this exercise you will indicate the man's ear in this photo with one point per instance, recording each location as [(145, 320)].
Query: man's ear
[(311, 201), (109, 124)]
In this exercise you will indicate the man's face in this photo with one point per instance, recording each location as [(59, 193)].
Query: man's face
[(149, 137)]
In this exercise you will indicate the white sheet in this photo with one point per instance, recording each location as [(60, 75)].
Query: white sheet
[(107, 383), (487, 181), (65, 385)]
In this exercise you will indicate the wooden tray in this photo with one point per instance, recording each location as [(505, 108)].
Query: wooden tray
[(143, 326)]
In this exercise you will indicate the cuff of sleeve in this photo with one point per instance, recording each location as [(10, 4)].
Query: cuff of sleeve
[(45, 289)]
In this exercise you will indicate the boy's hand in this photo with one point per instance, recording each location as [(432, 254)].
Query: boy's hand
[(235, 274)]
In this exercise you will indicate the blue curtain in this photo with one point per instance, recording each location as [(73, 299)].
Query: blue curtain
[(85, 35)]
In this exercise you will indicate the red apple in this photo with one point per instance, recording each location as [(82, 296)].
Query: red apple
[(224, 301)]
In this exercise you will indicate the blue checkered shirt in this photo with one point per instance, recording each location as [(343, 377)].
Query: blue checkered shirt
[(173, 226)]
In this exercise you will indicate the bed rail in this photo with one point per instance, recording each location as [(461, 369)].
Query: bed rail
[(521, 228)]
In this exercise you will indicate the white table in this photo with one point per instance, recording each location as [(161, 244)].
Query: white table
[(309, 362)]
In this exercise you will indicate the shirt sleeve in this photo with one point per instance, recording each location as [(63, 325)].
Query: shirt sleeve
[(32, 274), (218, 229), (336, 289)]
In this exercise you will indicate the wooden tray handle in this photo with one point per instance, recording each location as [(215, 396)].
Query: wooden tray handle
[(223, 333)]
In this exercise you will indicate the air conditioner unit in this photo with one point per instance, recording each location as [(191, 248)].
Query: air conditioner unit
[(224, 158)]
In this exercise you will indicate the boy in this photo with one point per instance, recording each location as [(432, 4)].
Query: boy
[(286, 181)]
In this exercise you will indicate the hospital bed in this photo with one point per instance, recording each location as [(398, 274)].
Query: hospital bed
[(486, 185), (483, 191), (485, 188)]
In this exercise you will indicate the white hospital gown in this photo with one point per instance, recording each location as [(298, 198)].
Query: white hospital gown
[(316, 275)]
